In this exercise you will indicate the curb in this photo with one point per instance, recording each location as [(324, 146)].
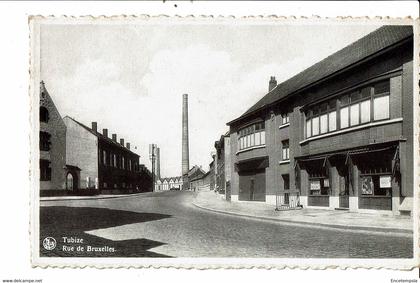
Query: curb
[(89, 198), (341, 228)]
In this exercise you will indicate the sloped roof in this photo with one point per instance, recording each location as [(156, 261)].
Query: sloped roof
[(368, 45), (99, 135)]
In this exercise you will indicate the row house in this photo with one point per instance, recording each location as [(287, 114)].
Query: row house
[(222, 172), (105, 163), (338, 135)]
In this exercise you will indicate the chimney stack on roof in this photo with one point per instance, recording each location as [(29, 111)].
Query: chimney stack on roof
[(94, 126), (272, 84), (114, 137), (128, 145), (105, 132), (122, 142)]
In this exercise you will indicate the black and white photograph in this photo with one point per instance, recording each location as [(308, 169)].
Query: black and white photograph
[(232, 142)]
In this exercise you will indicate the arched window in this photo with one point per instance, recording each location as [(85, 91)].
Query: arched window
[(43, 114), (69, 182)]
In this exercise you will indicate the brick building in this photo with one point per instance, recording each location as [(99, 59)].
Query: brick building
[(222, 156), (337, 135), (52, 146), (106, 165)]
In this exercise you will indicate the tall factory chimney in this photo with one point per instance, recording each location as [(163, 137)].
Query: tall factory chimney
[(158, 163), (185, 146)]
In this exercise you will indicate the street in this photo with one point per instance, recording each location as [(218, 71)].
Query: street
[(167, 224)]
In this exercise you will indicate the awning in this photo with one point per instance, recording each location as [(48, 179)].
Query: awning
[(252, 164)]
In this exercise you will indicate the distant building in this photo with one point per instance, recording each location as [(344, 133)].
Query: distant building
[(175, 183), (223, 173)]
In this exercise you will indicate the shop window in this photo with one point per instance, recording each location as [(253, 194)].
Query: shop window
[(44, 141), (376, 185), (319, 186), (251, 136), (43, 114), (45, 170), (285, 150)]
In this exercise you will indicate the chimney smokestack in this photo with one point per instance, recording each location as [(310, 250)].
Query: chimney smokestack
[(114, 137), (122, 142), (128, 145), (94, 126), (105, 132), (158, 163), (272, 84), (185, 143)]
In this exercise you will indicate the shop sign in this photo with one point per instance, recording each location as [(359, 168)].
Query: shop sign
[(385, 181), (315, 185), (367, 185)]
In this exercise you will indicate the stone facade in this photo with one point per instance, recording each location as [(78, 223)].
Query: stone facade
[(52, 144)]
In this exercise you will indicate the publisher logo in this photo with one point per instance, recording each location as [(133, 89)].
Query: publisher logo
[(49, 243)]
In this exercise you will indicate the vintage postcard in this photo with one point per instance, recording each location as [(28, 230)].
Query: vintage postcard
[(206, 142)]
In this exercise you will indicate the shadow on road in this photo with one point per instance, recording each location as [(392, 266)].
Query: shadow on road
[(63, 221)]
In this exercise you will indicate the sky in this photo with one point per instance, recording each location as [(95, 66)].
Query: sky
[(130, 77)]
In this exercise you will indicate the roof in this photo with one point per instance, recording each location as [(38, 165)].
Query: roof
[(99, 135), (368, 45)]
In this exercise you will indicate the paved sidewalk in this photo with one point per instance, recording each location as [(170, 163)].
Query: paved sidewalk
[(331, 219)]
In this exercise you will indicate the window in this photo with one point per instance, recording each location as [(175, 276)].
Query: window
[(123, 162), (376, 185), (285, 150), (250, 136), (286, 182), (45, 170), (354, 115), (319, 186), (381, 108), (115, 160), (43, 114), (285, 119), (321, 119), (365, 111), (308, 128), (315, 126), (344, 117), (324, 123), (44, 141), (332, 121), (104, 157)]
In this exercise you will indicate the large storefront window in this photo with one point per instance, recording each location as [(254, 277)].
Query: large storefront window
[(370, 103), (251, 136), (376, 185), (319, 186)]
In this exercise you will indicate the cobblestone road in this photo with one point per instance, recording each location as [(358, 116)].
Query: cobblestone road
[(167, 224)]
